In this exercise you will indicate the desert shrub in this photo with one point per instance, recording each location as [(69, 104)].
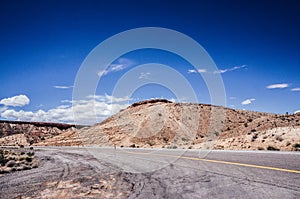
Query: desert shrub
[(255, 136), (297, 145), (11, 163), (271, 148), (21, 146), (28, 159), (190, 147), (133, 146), (260, 148), (279, 138), (288, 144), (30, 153), (246, 124), (121, 146), (151, 142), (253, 130), (31, 148), (3, 160), (265, 137), (159, 114), (250, 120), (216, 133), (172, 147)]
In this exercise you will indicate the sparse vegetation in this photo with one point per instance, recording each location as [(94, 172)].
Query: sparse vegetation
[(151, 143), (133, 146), (16, 160), (260, 148), (271, 148), (297, 145), (172, 147), (279, 138)]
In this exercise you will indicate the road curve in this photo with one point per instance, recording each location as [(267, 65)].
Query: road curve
[(169, 173)]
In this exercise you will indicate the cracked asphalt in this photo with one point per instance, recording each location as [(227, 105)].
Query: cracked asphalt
[(71, 172)]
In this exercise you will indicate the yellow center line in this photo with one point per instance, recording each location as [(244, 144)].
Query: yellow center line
[(218, 161)]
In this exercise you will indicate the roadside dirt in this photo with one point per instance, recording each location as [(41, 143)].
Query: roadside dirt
[(66, 175)]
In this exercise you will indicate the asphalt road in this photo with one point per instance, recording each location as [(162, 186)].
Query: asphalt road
[(149, 173)]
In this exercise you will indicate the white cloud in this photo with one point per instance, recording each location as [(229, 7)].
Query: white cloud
[(2, 109), (229, 69), (145, 75), (102, 72), (216, 71), (247, 101), (297, 112), (195, 71), (100, 105), (18, 100), (120, 64), (63, 87), (273, 86), (295, 89)]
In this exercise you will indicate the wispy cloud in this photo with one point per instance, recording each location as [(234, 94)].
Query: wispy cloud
[(247, 101), (295, 89), (232, 98), (63, 87), (195, 71), (145, 75), (120, 64), (18, 100), (229, 69), (220, 71), (277, 86)]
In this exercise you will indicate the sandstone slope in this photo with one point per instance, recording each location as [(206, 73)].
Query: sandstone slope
[(160, 123)]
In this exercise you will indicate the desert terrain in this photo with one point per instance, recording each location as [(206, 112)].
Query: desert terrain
[(163, 124), (154, 149)]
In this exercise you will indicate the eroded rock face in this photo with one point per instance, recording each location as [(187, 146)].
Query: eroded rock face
[(160, 123), (14, 133)]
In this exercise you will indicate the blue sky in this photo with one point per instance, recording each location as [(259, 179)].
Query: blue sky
[(255, 45)]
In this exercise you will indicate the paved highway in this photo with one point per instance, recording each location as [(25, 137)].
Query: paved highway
[(173, 173)]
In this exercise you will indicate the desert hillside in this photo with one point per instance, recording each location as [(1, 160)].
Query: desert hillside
[(161, 123), (14, 133)]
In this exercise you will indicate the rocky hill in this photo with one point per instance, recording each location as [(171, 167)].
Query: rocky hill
[(14, 133), (161, 123)]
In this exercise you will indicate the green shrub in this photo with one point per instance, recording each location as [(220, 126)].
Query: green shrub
[(30, 153), (271, 148), (297, 145), (28, 159)]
